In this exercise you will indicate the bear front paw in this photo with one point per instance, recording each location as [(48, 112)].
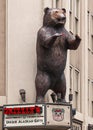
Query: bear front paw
[(63, 35), (77, 37)]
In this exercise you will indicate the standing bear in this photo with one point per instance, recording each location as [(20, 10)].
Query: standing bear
[(53, 41)]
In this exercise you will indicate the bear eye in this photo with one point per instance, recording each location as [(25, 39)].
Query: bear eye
[(56, 11), (56, 113)]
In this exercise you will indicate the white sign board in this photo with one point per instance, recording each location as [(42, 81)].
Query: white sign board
[(24, 115), (58, 115), (37, 115)]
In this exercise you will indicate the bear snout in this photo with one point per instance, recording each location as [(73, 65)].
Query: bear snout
[(61, 18)]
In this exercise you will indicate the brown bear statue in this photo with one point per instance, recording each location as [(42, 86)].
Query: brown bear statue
[(53, 41)]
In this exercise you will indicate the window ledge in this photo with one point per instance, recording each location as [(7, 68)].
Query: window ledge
[(78, 116), (70, 11), (71, 32), (89, 49), (76, 17), (90, 120)]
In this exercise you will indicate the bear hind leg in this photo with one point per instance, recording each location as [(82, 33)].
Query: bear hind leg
[(42, 83), (60, 87)]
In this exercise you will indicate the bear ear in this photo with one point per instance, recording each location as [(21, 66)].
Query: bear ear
[(46, 10), (64, 10)]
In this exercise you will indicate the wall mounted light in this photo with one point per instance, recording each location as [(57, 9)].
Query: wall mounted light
[(53, 95), (70, 97), (23, 95)]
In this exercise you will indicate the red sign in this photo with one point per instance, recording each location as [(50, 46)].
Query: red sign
[(23, 110)]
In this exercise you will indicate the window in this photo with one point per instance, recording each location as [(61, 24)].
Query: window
[(92, 90), (77, 8), (92, 24), (88, 27), (70, 5), (76, 24), (74, 13), (90, 126), (92, 43), (76, 80), (88, 94), (91, 33), (58, 3), (77, 125), (92, 108), (90, 97), (70, 15), (76, 89), (71, 79), (70, 21)]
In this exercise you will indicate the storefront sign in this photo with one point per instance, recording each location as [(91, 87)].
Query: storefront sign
[(37, 115), (24, 115)]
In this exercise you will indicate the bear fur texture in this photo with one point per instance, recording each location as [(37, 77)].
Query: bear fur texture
[(53, 41)]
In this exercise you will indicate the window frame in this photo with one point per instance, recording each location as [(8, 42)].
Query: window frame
[(71, 79), (77, 17), (58, 3), (77, 124), (90, 97), (77, 8), (76, 93)]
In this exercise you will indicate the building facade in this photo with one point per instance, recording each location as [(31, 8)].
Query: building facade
[(19, 23)]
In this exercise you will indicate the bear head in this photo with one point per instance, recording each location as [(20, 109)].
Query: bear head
[(54, 17)]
